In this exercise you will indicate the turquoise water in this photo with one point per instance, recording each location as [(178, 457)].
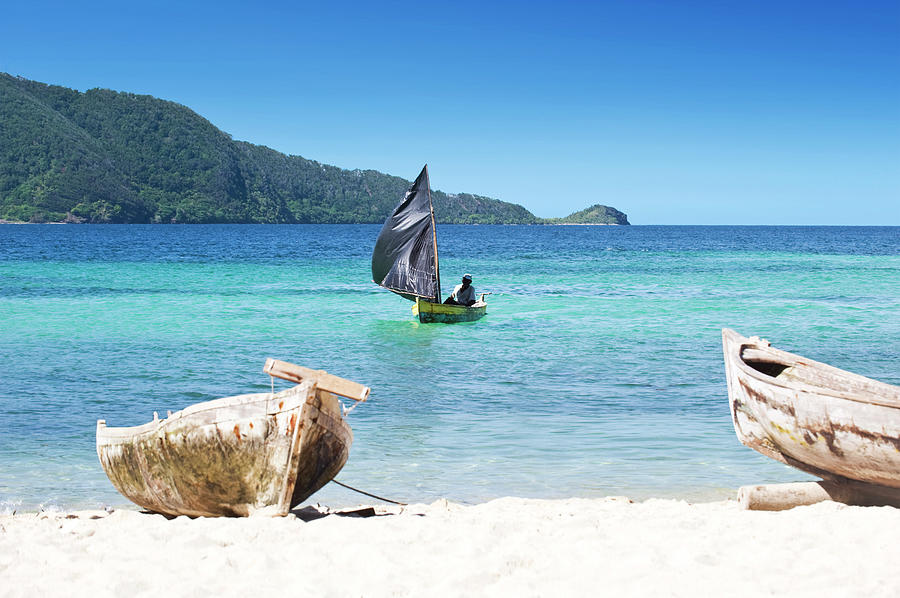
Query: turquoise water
[(597, 371)]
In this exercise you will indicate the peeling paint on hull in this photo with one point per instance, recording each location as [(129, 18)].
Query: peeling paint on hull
[(812, 416), (230, 457)]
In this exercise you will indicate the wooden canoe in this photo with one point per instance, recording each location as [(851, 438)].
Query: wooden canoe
[(429, 312), (812, 416), (238, 455)]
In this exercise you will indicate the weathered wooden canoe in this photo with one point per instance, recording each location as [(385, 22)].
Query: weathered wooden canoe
[(812, 416), (236, 456), (429, 312)]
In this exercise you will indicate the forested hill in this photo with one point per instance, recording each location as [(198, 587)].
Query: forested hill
[(105, 156), (596, 214)]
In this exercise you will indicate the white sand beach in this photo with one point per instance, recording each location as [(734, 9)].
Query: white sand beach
[(506, 547)]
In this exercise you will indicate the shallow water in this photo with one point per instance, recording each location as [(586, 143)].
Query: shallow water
[(597, 371)]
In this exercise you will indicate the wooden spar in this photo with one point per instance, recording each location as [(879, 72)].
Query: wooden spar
[(324, 380), (437, 269)]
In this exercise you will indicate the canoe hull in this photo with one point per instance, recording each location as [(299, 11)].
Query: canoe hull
[(428, 312), (812, 416), (230, 457)]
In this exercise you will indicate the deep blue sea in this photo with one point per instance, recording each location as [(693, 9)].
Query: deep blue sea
[(597, 371)]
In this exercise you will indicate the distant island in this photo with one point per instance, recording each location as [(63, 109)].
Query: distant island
[(112, 157), (596, 214)]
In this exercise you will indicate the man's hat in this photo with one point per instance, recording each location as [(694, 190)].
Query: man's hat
[(467, 277)]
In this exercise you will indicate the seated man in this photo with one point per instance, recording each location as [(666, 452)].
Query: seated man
[(463, 294)]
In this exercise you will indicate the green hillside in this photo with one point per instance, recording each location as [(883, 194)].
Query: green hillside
[(106, 156)]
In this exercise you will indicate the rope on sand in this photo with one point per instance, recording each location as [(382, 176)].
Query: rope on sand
[(370, 495)]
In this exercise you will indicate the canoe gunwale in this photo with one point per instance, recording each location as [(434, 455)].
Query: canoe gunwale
[(129, 432), (735, 345)]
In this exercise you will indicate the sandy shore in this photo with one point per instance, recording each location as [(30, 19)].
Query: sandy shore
[(507, 547)]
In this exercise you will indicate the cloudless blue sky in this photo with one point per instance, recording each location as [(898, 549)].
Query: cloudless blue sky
[(675, 112)]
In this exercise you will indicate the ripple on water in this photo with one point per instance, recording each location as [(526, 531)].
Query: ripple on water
[(597, 370)]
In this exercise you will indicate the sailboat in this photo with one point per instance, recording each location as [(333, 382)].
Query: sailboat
[(405, 258)]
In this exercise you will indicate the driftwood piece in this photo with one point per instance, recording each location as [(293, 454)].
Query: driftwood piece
[(779, 497), (324, 381)]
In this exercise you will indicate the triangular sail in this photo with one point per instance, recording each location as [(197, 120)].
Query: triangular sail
[(405, 256)]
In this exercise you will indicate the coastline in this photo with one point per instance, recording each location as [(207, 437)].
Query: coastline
[(342, 223), (505, 547), (585, 224)]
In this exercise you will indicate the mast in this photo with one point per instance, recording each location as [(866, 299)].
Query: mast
[(437, 270)]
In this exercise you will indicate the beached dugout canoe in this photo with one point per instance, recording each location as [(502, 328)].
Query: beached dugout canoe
[(812, 416), (235, 456)]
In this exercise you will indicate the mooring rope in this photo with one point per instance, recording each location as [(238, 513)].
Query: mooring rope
[(344, 413), (371, 495)]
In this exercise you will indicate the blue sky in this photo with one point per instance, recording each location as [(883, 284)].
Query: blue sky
[(673, 112)]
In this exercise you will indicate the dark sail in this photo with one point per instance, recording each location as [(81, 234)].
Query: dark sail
[(405, 255)]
